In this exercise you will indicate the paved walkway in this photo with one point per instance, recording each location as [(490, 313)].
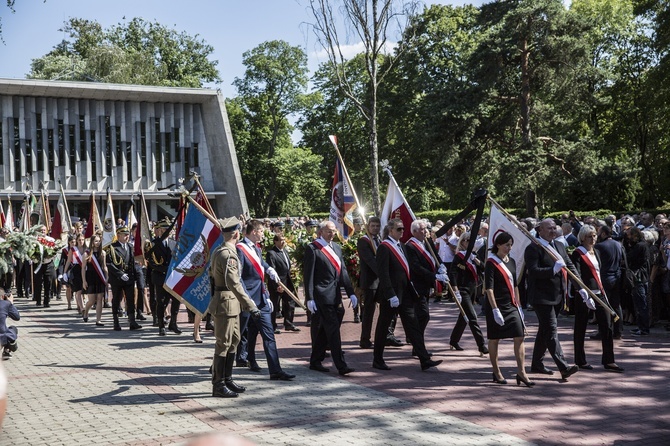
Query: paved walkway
[(72, 383)]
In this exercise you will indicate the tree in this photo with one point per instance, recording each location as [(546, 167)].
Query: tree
[(137, 52), (273, 89), (371, 21)]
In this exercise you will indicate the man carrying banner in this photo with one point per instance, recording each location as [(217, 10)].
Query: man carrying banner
[(228, 299), (158, 257), (367, 251), (121, 267), (547, 289)]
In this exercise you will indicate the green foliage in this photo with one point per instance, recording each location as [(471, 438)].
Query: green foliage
[(136, 52)]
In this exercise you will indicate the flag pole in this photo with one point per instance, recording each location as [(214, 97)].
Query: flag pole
[(67, 209), (387, 168), (572, 275), (202, 191), (333, 140)]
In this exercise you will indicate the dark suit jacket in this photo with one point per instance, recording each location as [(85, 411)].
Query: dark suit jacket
[(393, 280), (368, 264), (251, 280), (159, 256), (322, 281), (126, 264), (421, 270), (611, 257), (7, 309), (545, 287), (584, 270), (277, 260)]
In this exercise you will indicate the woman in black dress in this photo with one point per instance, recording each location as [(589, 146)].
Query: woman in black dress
[(504, 318), (72, 271), (94, 278), (464, 275)]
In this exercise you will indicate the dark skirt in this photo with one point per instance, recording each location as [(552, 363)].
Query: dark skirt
[(513, 327), (74, 277), (95, 285)]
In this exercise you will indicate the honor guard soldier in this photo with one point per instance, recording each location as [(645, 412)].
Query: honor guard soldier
[(122, 277), (158, 257), (228, 300)]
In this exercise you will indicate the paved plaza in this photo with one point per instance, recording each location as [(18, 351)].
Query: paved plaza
[(73, 383)]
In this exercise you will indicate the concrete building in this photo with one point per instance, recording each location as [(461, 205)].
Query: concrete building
[(93, 136)]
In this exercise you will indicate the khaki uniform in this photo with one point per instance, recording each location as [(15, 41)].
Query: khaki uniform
[(229, 299)]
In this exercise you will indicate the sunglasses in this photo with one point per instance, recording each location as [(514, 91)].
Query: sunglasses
[(399, 229)]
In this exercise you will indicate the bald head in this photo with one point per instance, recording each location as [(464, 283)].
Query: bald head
[(547, 229)]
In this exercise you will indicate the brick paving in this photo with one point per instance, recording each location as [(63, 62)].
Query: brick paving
[(73, 383)]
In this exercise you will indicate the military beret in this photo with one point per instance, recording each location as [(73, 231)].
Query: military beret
[(230, 224), (311, 223), (163, 224), (122, 230), (278, 224)]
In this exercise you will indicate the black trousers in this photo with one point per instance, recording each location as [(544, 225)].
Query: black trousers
[(369, 305), (409, 322), (287, 309), (24, 278), (274, 298), (422, 313), (118, 291), (604, 327), (43, 280), (467, 303), (325, 333), (613, 291), (547, 336), (162, 300)]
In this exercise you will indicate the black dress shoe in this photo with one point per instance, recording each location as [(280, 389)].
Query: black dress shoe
[(242, 363), (565, 374), (585, 366), (393, 342), (254, 367), (209, 326), (293, 328), (117, 327), (99, 324), (234, 387), (277, 331), (221, 391), (173, 328), (380, 366), (455, 346), (135, 326), (140, 317), (430, 363), (483, 350), (542, 371), (345, 371), (161, 331), (366, 345), (614, 368), (281, 376), (319, 368)]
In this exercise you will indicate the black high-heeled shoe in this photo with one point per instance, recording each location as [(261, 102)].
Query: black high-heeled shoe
[(455, 346), (196, 340), (527, 382), (498, 381)]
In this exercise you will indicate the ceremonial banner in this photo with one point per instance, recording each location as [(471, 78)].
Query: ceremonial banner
[(396, 206), (61, 224), (498, 223), (342, 203), (27, 207), (3, 219), (142, 232), (131, 219), (109, 225), (93, 225), (188, 274), (9, 217)]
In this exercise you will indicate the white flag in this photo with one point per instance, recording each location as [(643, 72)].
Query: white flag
[(109, 225), (498, 223), (9, 217)]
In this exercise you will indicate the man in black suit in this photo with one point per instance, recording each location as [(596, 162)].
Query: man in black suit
[(325, 272), (398, 296), (278, 258), (121, 267), (159, 257), (611, 261), (547, 289), (367, 250)]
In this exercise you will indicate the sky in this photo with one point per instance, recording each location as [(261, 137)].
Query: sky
[(230, 26)]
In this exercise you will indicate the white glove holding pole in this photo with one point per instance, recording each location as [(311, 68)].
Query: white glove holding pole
[(442, 269), (353, 301), (441, 277), (125, 277), (458, 296), (587, 299), (65, 277), (498, 317), (559, 265), (311, 306), (273, 274), (394, 302)]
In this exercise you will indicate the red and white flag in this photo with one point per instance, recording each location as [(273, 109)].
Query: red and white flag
[(61, 223), (342, 201), (109, 225), (498, 223), (396, 206), (94, 224)]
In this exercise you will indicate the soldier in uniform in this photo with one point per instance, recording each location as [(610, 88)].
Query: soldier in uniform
[(228, 300), (121, 267), (158, 257)]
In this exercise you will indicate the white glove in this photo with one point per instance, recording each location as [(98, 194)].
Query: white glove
[(60, 278), (458, 296), (272, 307), (65, 277), (394, 301), (498, 317), (587, 299), (523, 317), (273, 274), (311, 306), (472, 257), (442, 269), (441, 277), (560, 263), (353, 301), (125, 277)]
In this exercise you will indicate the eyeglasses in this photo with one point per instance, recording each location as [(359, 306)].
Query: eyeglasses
[(399, 229)]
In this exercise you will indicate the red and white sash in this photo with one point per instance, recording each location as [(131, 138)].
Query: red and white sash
[(507, 275), (422, 249), (564, 271), (97, 267), (592, 267), (468, 263), (399, 255), (371, 242), (330, 254), (251, 254), (76, 257)]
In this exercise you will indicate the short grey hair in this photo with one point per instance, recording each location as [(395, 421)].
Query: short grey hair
[(584, 231), (417, 223)]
